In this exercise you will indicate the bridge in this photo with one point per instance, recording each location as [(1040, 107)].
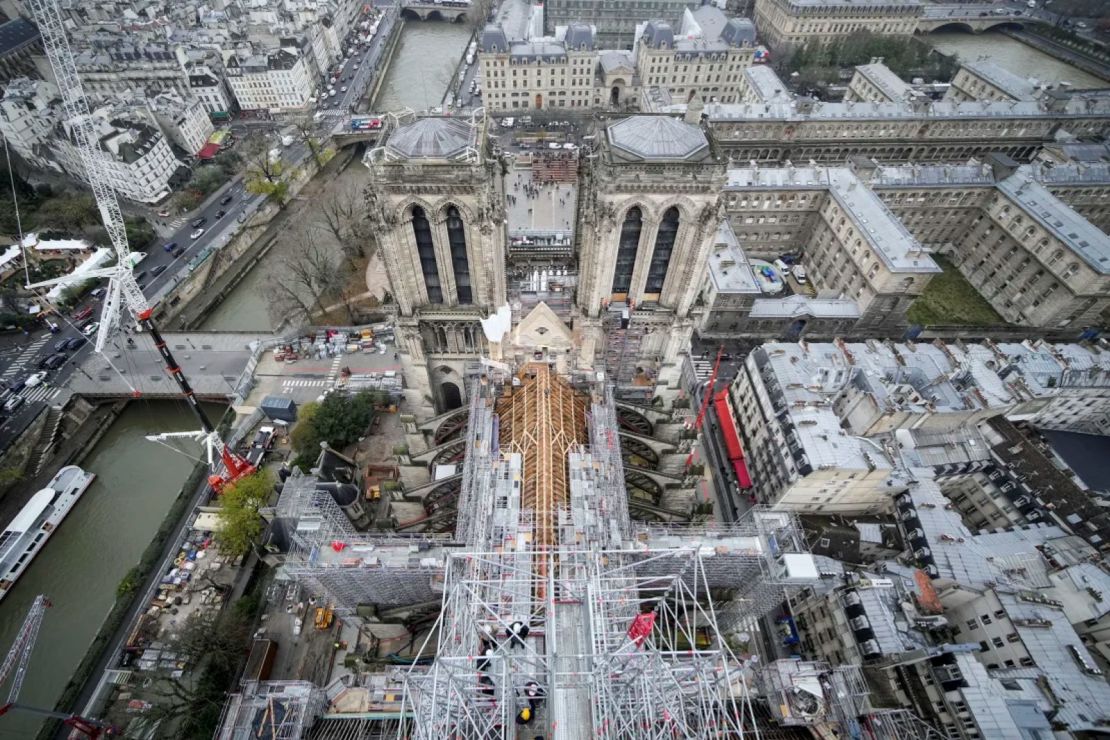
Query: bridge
[(453, 11), (343, 135), (973, 18), (214, 363)]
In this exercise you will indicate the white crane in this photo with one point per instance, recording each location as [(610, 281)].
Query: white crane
[(122, 287), (18, 658), (123, 291)]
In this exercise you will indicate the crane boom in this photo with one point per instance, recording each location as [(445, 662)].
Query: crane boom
[(122, 287), (123, 290), (20, 653)]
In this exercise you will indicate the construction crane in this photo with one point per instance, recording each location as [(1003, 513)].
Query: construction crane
[(19, 657), (123, 291), (709, 386)]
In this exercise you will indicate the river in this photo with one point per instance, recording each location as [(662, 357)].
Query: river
[(1014, 56), (423, 63), (101, 539)]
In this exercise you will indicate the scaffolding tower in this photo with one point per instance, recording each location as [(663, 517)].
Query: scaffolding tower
[(275, 710), (571, 620), (804, 693)]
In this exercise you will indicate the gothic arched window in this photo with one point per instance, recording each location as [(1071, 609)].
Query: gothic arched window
[(626, 250), (426, 251)]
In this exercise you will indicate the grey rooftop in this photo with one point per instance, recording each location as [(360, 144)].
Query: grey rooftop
[(433, 138), (657, 138)]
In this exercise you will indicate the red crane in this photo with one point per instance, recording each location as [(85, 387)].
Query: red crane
[(709, 386), (19, 657)]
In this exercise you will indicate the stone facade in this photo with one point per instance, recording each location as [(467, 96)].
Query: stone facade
[(436, 201), (645, 233), (787, 23)]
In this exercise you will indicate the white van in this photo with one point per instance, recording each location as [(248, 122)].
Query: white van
[(799, 274)]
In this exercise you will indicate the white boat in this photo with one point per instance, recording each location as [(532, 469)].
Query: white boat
[(28, 532)]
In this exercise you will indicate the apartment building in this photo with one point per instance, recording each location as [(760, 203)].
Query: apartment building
[(854, 247), (875, 83), (760, 84), (276, 80), (110, 64), (785, 23), (896, 132), (817, 418), (184, 120), (615, 20), (706, 57), (983, 80), (28, 113), (207, 86), (1037, 261), (539, 73), (747, 295), (139, 162)]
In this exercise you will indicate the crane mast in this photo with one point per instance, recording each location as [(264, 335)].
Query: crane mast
[(123, 290), (18, 658)]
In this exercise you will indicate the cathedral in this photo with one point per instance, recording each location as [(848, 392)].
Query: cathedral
[(590, 259)]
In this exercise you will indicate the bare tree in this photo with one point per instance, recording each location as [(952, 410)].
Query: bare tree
[(306, 279), (307, 134), (345, 218), (478, 12)]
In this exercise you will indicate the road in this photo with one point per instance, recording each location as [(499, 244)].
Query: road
[(359, 71), (20, 354)]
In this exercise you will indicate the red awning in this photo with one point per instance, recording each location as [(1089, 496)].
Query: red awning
[(724, 417), (208, 151), (741, 470)]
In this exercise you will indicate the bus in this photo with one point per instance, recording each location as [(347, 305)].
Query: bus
[(366, 123)]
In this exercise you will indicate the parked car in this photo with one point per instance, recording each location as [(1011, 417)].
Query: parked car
[(53, 362), (99, 292), (179, 251), (13, 403), (226, 199), (90, 329), (196, 223), (60, 345), (220, 214), (197, 234), (17, 385), (158, 270), (83, 314), (74, 343), (139, 276), (170, 247)]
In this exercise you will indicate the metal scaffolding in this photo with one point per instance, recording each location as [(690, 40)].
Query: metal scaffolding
[(621, 637), (804, 693), (274, 710)]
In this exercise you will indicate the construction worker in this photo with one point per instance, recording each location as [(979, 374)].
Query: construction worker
[(534, 694), (524, 716)]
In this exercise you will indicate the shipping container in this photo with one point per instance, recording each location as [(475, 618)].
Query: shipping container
[(279, 408)]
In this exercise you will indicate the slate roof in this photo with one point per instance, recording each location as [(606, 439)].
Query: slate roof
[(657, 137), (433, 138), (16, 34)]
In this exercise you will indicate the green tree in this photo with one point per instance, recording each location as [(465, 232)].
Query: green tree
[(304, 437), (268, 175), (341, 419), (240, 524), (69, 214)]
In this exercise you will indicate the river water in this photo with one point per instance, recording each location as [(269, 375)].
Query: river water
[(102, 538), (423, 63), (1012, 55), (137, 481)]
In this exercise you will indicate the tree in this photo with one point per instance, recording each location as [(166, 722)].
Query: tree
[(304, 437), (306, 278), (478, 12), (267, 175), (342, 419), (240, 524), (344, 217), (307, 133), (69, 214)]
